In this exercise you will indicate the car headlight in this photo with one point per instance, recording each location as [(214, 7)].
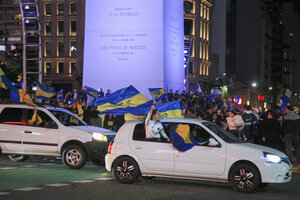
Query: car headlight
[(271, 158), (99, 137)]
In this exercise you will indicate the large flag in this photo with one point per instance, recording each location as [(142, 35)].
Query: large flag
[(90, 91), (170, 110), (122, 101), (158, 94), (4, 82), (216, 91), (198, 89), (285, 99), (182, 140), (20, 96), (43, 93)]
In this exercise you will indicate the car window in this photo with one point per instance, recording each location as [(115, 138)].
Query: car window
[(199, 134), (67, 119), (139, 134), (226, 136), (12, 116), (42, 120)]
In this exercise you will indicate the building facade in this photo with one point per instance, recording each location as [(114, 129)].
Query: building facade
[(197, 26)]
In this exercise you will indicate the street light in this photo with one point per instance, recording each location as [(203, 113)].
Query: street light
[(270, 88), (254, 84)]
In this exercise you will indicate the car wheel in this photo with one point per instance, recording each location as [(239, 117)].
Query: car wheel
[(18, 158), (245, 178), (74, 157), (126, 170), (263, 185), (98, 162)]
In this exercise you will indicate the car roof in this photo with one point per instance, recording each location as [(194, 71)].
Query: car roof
[(165, 120)]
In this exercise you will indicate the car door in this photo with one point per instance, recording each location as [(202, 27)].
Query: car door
[(11, 130), (41, 139), (202, 159), (155, 156)]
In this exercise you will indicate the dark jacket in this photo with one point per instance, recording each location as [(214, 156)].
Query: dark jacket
[(291, 123), (272, 131)]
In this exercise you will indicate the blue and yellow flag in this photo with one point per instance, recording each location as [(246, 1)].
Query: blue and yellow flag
[(198, 89), (285, 100), (4, 82), (20, 96), (216, 91), (170, 110), (158, 94), (43, 93), (182, 139), (90, 91), (126, 100)]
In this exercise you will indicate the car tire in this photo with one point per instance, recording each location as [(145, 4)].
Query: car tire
[(17, 158), (126, 170), (98, 162), (74, 157), (245, 178)]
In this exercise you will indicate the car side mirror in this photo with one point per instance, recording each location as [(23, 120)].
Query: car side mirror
[(212, 142)]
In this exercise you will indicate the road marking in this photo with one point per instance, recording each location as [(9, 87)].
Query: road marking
[(103, 179), (57, 184), (9, 168), (4, 193), (28, 189), (83, 181)]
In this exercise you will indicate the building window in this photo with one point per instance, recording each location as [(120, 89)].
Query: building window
[(201, 10), (73, 28), (207, 70), (73, 9), (200, 68), (207, 50), (60, 67), (204, 30), (201, 29), (203, 50), (47, 9), (60, 49), (207, 31), (72, 67), (207, 13), (191, 68), (204, 12), (188, 27), (60, 28), (189, 7), (60, 9), (47, 28), (73, 49), (47, 51), (47, 67)]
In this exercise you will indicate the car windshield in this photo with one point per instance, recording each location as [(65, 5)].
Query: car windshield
[(67, 119), (226, 136)]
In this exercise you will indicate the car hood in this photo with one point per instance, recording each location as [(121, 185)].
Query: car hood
[(95, 129), (254, 148)]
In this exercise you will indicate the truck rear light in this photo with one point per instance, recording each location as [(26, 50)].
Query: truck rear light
[(110, 147)]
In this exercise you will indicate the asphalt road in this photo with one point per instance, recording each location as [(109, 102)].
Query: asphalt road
[(49, 179)]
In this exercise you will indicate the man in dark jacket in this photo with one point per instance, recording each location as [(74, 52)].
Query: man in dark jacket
[(291, 126)]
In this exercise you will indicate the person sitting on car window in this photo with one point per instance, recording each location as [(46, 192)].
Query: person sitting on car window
[(153, 127), (36, 120)]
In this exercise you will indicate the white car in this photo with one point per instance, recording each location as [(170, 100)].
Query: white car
[(60, 133), (219, 156)]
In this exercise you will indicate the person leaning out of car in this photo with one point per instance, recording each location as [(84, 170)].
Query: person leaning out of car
[(154, 128)]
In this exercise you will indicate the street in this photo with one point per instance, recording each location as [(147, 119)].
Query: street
[(42, 178)]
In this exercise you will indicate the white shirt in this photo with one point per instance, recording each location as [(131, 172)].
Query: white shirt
[(154, 129)]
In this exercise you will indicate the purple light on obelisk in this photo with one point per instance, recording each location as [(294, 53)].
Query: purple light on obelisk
[(134, 42)]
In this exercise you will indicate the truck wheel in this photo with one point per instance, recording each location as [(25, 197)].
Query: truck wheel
[(74, 157)]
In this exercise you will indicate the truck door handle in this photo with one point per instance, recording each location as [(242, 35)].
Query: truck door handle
[(28, 132), (138, 147)]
